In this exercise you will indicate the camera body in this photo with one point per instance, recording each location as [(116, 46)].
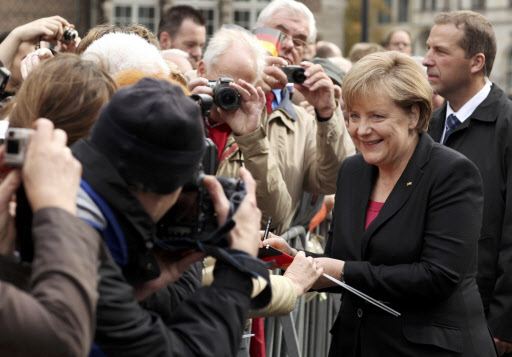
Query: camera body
[(16, 142), (192, 218), (69, 35), (295, 74), (224, 96)]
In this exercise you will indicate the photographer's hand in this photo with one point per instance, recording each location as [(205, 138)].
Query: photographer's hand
[(45, 29), (245, 235), (51, 175), (198, 86), (171, 269), (318, 90), (32, 60), (8, 187), (272, 76), (246, 119)]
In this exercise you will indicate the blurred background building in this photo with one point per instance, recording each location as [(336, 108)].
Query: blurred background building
[(338, 21)]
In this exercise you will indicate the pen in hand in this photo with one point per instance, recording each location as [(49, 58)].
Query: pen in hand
[(267, 229)]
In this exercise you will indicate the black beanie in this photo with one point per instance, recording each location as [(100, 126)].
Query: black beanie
[(152, 134)]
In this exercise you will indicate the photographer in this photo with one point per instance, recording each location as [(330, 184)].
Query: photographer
[(146, 144), (26, 39), (310, 149), (238, 133), (54, 315)]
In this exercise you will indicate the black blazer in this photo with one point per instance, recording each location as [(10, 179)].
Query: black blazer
[(486, 139), (419, 255)]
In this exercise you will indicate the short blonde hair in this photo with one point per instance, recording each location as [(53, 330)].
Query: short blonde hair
[(395, 74)]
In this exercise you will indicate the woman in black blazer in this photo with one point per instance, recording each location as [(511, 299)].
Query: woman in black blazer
[(405, 225)]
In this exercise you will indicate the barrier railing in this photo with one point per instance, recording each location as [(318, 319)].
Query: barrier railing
[(305, 331)]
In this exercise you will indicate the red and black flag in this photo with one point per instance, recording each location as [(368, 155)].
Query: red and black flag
[(271, 39)]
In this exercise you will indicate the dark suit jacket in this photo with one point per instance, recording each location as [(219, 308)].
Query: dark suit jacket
[(419, 255), (486, 139)]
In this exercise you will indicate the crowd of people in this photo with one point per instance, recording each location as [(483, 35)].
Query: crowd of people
[(117, 239)]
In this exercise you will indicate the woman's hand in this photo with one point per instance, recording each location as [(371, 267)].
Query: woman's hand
[(332, 267)]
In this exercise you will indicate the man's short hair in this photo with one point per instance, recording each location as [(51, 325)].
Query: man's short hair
[(293, 7), (172, 19), (479, 36)]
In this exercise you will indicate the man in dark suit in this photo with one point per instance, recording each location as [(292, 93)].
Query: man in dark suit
[(476, 120)]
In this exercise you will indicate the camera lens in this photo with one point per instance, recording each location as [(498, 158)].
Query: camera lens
[(299, 76), (227, 98), (69, 34)]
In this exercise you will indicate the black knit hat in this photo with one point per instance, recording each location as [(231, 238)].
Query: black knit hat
[(152, 133)]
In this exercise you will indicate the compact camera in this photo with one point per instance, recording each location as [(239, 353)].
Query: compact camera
[(16, 142), (295, 74), (224, 96), (192, 218), (68, 35)]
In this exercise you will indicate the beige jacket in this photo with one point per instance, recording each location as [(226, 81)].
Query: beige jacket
[(308, 152), (287, 156), (271, 192)]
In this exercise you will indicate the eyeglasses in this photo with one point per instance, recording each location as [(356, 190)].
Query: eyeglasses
[(297, 42)]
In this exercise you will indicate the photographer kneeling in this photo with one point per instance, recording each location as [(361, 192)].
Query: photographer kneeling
[(146, 144), (53, 313)]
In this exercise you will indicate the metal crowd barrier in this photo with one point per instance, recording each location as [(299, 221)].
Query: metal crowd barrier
[(305, 331)]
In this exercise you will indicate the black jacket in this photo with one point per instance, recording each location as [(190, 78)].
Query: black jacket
[(486, 139), (419, 255), (208, 323)]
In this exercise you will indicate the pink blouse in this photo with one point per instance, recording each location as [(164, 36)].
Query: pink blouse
[(372, 211)]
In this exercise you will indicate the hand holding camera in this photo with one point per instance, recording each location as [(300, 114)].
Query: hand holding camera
[(318, 89), (50, 173), (272, 76), (51, 29), (237, 104), (32, 60)]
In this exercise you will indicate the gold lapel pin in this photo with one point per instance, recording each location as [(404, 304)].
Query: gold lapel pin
[(409, 183)]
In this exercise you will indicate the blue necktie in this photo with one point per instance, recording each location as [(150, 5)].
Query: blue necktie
[(452, 122)]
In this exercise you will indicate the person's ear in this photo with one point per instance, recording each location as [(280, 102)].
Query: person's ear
[(201, 69), (165, 40), (414, 116), (478, 63)]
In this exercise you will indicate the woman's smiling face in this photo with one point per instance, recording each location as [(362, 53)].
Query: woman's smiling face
[(383, 132)]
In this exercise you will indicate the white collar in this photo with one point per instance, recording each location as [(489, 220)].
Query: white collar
[(471, 105)]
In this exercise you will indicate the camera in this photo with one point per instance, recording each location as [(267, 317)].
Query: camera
[(295, 74), (192, 219), (69, 35), (5, 74), (16, 142), (224, 96), (205, 103)]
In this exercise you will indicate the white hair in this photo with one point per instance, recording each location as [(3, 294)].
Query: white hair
[(121, 51), (292, 7), (226, 38)]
